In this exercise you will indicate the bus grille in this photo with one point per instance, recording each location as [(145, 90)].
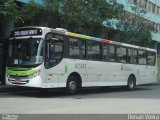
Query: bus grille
[(18, 81)]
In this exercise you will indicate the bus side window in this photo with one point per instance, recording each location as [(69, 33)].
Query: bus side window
[(77, 48), (109, 53), (142, 57), (93, 49), (132, 56), (151, 58), (74, 48), (121, 54)]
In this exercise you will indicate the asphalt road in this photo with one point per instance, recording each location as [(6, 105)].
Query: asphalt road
[(144, 99)]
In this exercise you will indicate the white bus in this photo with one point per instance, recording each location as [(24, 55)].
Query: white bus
[(43, 57)]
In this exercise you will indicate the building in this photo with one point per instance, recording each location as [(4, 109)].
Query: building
[(146, 10), (152, 15)]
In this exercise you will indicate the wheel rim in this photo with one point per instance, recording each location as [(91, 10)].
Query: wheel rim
[(72, 85), (131, 84)]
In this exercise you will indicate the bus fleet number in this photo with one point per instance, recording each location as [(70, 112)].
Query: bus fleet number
[(80, 66)]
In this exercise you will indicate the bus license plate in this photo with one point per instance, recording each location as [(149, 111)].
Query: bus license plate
[(17, 81)]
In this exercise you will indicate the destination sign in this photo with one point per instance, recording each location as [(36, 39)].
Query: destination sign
[(26, 32)]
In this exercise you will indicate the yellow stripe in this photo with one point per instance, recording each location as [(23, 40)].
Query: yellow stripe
[(72, 34), (78, 35)]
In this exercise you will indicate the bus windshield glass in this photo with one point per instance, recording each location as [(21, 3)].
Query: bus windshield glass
[(26, 52)]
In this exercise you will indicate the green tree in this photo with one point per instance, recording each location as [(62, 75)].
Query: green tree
[(8, 11), (31, 12), (87, 16), (83, 16), (8, 8), (52, 13), (134, 30)]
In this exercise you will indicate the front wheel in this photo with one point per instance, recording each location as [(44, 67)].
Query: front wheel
[(72, 85), (131, 83)]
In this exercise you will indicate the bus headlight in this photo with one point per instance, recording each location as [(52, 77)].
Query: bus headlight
[(35, 74), (7, 75)]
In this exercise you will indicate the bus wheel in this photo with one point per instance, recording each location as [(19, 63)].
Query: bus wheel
[(131, 83), (72, 85)]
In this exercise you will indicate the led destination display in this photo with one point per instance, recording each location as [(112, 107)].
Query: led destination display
[(26, 32)]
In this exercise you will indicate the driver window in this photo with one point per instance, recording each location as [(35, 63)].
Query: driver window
[(54, 50)]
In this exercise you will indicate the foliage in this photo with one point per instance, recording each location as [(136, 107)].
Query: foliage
[(137, 35), (30, 12), (82, 16), (8, 8), (52, 14), (137, 32), (87, 16)]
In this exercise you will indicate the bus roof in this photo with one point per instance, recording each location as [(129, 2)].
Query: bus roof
[(102, 40), (65, 32)]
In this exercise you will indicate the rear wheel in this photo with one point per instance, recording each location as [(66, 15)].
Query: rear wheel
[(72, 85), (131, 83)]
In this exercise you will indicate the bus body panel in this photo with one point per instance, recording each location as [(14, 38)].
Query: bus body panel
[(113, 74)]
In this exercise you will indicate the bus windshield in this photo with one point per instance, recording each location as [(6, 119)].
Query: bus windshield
[(26, 52)]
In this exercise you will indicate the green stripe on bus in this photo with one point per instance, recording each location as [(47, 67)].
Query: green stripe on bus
[(20, 71), (66, 69)]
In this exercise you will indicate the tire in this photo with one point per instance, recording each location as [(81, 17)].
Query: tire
[(72, 85), (131, 83)]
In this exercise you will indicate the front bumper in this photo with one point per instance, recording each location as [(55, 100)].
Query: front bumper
[(20, 81)]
